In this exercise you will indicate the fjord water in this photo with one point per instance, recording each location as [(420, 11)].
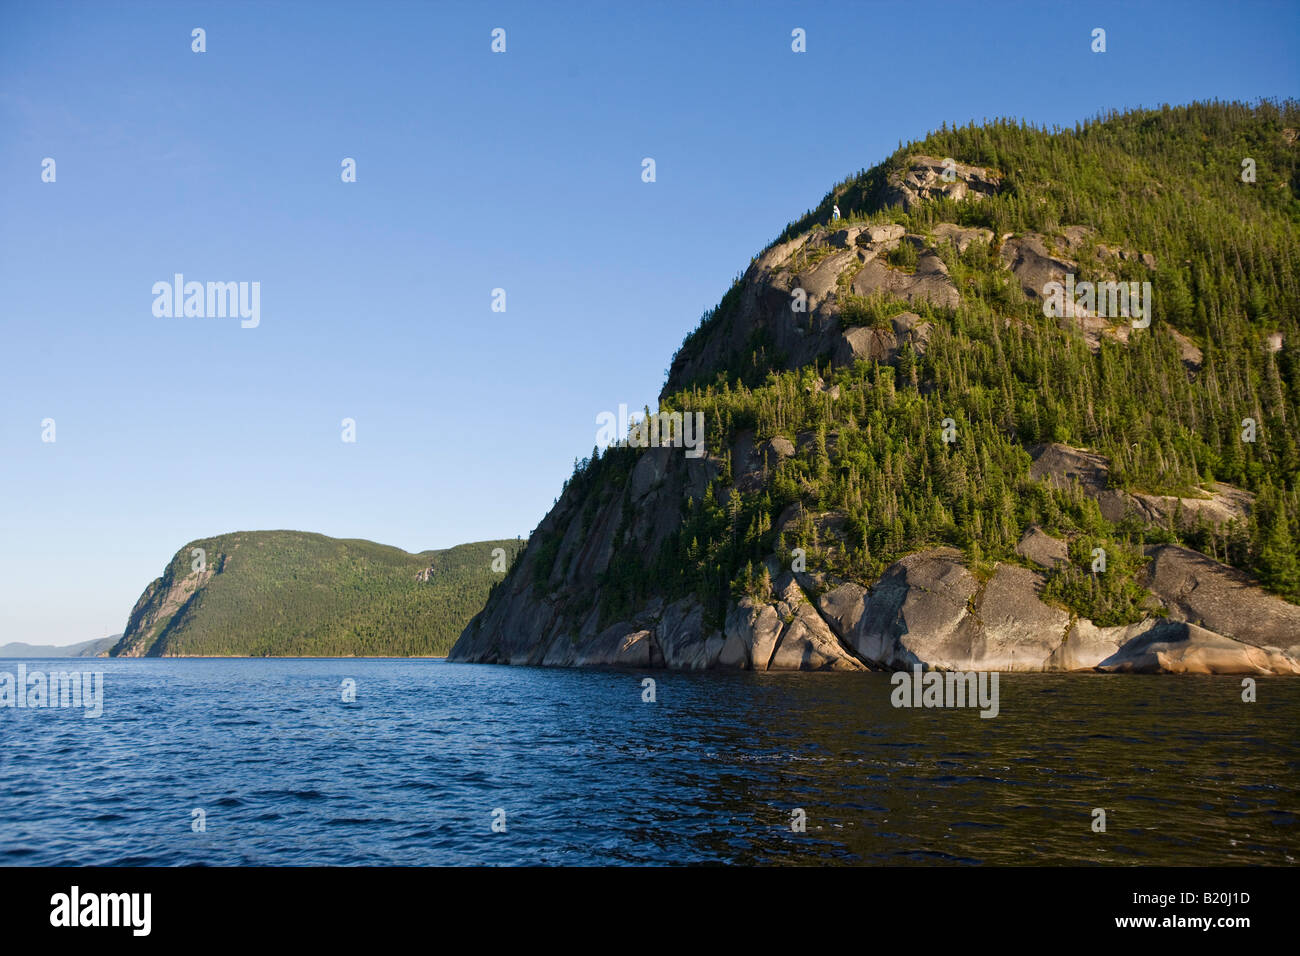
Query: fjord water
[(286, 772)]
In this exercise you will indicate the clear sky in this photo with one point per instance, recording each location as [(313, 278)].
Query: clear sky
[(475, 171)]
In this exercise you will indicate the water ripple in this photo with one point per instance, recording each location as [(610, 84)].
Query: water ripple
[(438, 763)]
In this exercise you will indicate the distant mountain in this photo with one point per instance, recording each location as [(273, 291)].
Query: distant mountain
[(296, 594), (96, 648), (1013, 399)]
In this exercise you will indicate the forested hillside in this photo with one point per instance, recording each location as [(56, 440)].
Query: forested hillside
[(1227, 276), (294, 594), (924, 397)]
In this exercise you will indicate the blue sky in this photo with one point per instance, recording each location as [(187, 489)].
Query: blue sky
[(475, 171)]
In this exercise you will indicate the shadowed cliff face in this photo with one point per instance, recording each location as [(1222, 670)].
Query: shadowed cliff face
[(548, 609), (836, 295)]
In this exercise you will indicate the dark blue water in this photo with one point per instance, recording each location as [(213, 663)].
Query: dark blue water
[(586, 772)]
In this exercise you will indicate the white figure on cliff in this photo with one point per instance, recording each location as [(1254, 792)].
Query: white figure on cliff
[(835, 213)]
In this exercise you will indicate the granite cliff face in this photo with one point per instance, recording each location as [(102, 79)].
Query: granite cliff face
[(806, 302), (927, 609), (835, 266)]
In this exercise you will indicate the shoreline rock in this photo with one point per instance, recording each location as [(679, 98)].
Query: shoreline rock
[(928, 609)]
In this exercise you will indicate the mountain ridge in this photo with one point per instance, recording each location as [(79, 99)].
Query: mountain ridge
[(97, 647), (302, 594)]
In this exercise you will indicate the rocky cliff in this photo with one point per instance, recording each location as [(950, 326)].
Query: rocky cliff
[(927, 608), (862, 320)]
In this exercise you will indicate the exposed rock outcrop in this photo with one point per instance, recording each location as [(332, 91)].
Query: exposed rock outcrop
[(825, 267), (164, 606), (1181, 648), (961, 236), (882, 345), (819, 272), (793, 297), (928, 177), (1036, 260), (1062, 465), (1201, 591), (1033, 265), (787, 634), (927, 608), (1041, 548)]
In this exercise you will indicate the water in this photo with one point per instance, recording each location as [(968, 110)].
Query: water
[(409, 774)]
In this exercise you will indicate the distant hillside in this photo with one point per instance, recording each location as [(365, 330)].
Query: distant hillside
[(100, 645), (295, 594)]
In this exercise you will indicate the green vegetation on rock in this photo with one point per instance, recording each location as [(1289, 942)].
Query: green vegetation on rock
[(295, 594), (1144, 196)]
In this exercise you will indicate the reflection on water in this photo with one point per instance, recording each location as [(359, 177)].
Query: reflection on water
[(287, 773)]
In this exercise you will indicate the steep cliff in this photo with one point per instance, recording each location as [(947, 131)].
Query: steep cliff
[(914, 455)]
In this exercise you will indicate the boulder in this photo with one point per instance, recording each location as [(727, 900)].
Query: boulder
[(1041, 548), (1033, 266), (866, 344), (1199, 590), (844, 238), (1173, 647), (842, 607), (779, 448), (961, 236), (916, 610), (880, 234)]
